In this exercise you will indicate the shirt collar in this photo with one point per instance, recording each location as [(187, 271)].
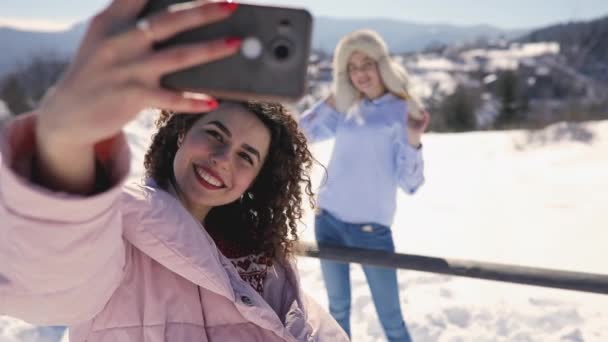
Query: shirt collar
[(380, 100)]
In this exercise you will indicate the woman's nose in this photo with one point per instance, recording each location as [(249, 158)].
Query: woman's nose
[(221, 158)]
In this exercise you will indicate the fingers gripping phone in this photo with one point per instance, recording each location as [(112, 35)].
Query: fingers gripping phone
[(271, 64)]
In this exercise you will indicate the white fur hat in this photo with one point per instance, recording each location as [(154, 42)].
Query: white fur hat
[(394, 76)]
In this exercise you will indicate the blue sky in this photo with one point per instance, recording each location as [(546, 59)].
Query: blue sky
[(57, 14)]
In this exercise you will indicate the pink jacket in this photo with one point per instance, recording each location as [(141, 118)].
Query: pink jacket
[(131, 264)]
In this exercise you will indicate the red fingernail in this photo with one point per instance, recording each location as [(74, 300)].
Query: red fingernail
[(233, 41), (229, 6), (211, 104)]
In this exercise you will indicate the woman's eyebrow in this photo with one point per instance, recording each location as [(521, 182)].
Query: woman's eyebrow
[(252, 151), (221, 127), (226, 131)]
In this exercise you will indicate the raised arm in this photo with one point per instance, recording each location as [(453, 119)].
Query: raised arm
[(61, 168), (62, 254), (320, 121), (409, 164)]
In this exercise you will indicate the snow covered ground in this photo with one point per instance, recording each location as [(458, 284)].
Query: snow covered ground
[(512, 197), (4, 113)]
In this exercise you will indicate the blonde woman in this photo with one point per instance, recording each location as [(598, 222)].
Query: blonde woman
[(377, 125)]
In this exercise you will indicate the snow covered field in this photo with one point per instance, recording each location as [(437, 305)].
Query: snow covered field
[(4, 113), (492, 196), (511, 197)]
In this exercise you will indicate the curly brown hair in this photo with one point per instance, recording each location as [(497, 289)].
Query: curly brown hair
[(265, 218)]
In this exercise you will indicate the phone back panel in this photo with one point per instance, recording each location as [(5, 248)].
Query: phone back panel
[(279, 72)]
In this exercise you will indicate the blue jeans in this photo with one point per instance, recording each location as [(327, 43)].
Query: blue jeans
[(382, 281)]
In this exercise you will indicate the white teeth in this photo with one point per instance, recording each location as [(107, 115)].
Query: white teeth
[(208, 178)]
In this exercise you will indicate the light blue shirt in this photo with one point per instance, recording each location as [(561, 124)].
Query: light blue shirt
[(370, 159)]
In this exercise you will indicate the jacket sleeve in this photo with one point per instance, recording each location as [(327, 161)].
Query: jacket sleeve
[(302, 316), (320, 122), (61, 255), (409, 165), (324, 326)]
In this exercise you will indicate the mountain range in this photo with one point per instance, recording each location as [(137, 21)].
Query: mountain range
[(583, 44), (20, 45), (404, 36), (401, 36)]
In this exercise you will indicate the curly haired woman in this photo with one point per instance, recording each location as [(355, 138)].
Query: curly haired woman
[(202, 250), (261, 225)]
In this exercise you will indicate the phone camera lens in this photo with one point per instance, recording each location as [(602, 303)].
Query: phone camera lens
[(281, 52), (281, 49)]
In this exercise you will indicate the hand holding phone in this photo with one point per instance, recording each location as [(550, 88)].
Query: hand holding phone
[(114, 75)]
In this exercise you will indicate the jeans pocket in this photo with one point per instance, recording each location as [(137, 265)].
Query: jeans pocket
[(375, 236), (328, 229)]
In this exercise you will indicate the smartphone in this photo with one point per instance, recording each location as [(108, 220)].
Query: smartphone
[(270, 66)]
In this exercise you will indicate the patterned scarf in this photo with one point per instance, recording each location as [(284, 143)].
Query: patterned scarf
[(253, 269), (251, 264)]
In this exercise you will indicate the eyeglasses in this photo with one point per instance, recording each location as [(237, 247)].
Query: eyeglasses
[(365, 67)]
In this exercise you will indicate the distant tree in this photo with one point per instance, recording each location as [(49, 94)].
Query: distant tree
[(23, 88), (458, 110), (435, 47), (513, 103), (13, 95)]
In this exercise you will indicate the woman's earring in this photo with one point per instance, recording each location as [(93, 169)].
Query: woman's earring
[(246, 194)]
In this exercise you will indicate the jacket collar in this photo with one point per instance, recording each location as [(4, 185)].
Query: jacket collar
[(186, 249), (165, 231), (388, 97)]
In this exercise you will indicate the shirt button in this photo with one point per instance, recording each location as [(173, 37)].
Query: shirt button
[(246, 300)]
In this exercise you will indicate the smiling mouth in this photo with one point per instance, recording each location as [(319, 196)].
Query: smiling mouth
[(207, 179), (364, 84)]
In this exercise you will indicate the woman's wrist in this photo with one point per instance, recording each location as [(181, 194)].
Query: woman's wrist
[(63, 164), (414, 140)]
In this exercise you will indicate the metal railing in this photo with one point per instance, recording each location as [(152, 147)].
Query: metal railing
[(578, 281)]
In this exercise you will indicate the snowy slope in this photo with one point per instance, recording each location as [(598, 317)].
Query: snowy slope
[(4, 113), (510, 197)]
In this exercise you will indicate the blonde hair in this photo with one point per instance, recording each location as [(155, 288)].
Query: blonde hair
[(394, 76)]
